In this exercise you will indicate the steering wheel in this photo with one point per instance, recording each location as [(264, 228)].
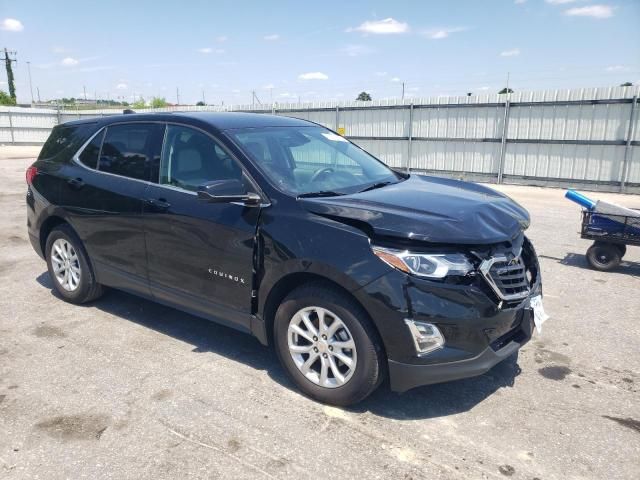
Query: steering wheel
[(320, 172)]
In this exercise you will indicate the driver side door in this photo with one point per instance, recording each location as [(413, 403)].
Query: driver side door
[(200, 254)]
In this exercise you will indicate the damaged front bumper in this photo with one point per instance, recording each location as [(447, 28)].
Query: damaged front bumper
[(479, 329)]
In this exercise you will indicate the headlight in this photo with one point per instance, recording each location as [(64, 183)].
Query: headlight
[(429, 265)]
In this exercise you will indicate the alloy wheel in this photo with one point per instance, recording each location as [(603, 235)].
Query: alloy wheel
[(66, 264), (322, 347)]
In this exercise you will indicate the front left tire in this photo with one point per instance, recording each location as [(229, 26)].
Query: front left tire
[(327, 345), (69, 267)]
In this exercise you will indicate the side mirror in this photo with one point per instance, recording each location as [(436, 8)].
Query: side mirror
[(227, 191)]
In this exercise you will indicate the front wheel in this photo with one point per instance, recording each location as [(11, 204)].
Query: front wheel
[(327, 345), (604, 256)]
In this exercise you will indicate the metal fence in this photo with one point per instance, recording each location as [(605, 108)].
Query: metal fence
[(588, 138)]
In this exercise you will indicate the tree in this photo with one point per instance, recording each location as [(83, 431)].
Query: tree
[(158, 102), (200, 104), (6, 99), (139, 103), (626, 84), (10, 80), (505, 90), (364, 97)]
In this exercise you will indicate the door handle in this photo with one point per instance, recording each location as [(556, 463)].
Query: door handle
[(158, 204), (75, 183)]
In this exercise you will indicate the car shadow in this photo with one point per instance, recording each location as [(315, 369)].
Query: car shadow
[(425, 402), (578, 260)]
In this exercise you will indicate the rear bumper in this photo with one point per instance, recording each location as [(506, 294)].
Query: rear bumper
[(405, 376)]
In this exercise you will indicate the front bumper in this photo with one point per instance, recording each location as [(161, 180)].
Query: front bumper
[(405, 376), (479, 330)]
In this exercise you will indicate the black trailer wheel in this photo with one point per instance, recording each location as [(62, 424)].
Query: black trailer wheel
[(623, 249), (604, 256)]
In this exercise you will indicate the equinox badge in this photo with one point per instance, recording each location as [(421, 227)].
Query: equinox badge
[(220, 274)]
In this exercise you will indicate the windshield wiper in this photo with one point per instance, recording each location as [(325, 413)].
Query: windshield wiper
[(322, 193), (376, 185)]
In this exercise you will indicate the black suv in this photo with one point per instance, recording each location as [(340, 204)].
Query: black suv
[(282, 228)]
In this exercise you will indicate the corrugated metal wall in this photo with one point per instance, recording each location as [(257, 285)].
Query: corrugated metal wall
[(580, 136)]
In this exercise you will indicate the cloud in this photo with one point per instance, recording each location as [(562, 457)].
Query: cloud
[(222, 38), (313, 76), (122, 86), (272, 37), (11, 25), (208, 50), (268, 86), (69, 62), (520, 2), (514, 52), (561, 2), (616, 68), (381, 74), (58, 49), (381, 27), (356, 50), (440, 33), (593, 11), (395, 79)]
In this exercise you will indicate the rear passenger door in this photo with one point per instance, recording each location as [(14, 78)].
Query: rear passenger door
[(200, 254), (103, 197)]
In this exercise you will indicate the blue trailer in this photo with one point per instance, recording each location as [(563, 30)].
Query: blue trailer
[(610, 226)]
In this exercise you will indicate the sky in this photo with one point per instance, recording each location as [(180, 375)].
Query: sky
[(289, 51)]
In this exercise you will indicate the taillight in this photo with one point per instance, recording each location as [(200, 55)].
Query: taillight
[(31, 174)]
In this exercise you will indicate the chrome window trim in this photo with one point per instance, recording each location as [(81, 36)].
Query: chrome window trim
[(76, 159), (485, 269)]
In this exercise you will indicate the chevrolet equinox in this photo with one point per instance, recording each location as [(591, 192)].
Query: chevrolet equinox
[(284, 229)]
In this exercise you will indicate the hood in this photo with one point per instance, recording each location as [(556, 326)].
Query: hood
[(430, 209)]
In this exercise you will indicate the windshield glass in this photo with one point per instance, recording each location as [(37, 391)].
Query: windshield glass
[(310, 160)]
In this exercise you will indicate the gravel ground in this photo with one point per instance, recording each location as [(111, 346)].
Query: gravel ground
[(125, 388)]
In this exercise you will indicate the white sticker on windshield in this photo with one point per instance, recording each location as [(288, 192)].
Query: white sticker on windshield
[(333, 137)]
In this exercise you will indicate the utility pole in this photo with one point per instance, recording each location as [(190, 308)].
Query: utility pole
[(38, 89), (10, 80), (177, 96), (254, 98), (84, 89), (402, 90), (203, 100), (30, 84)]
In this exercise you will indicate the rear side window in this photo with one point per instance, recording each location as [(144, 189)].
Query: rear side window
[(130, 150), (64, 141), (89, 155)]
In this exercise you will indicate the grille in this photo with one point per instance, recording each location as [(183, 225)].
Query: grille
[(507, 278)]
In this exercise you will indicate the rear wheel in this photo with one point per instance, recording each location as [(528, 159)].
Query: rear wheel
[(604, 256), (327, 345), (69, 268)]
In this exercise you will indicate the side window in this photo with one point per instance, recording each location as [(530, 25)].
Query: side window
[(64, 141), (89, 156), (129, 149), (190, 159)]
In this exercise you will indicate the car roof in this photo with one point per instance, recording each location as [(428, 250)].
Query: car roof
[(218, 120)]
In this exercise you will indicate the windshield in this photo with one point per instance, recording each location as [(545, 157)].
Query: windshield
[(312, 160)]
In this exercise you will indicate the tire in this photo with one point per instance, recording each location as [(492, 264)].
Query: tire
[(79, 285), (622, 248), (352, 383), (604, 256)]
